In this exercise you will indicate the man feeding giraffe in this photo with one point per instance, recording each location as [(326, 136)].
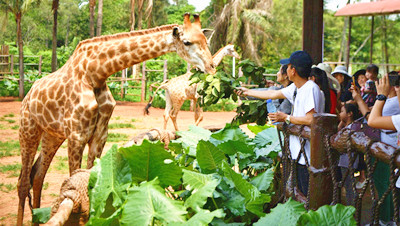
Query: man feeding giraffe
[(75, 103)]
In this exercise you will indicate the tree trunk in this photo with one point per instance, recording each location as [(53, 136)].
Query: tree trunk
[(67, 34), (92, 4), (140, 14), (99, 17), (20, 45), (149, 20), (132, 19), (54, 53)]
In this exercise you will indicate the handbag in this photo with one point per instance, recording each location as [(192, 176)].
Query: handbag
[(360, 125)]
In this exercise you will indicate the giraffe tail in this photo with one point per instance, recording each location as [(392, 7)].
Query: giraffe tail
[(146, 109)]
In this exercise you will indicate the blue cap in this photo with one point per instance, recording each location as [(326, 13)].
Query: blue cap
[(298, 58)]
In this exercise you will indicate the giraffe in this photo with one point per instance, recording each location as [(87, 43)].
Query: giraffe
[(179, 89), (74, 103)]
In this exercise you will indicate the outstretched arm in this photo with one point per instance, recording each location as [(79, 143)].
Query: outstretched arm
[(297, 120), (260, 94)]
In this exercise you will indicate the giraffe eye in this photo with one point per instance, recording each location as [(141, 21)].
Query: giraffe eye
[(187, 43)]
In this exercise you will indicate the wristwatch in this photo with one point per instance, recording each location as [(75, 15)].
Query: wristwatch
[(287, 120), (381, 97)]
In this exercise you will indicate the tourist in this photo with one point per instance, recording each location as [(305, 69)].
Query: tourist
[(369, 93), (306, 98), (380, 121), (349, 113), (340, 73), (319, 77)]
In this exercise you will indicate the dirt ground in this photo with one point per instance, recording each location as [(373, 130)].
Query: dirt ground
[(124, 112)]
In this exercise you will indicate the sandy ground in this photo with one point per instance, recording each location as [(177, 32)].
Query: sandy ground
[(124, 112)]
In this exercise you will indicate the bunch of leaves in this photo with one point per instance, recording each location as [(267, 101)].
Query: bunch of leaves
[(294, 213), (212, 88), (251, 111), (191, 184), (251, 70)]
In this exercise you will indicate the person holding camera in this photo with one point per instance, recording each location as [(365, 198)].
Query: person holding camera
[(387, 91)]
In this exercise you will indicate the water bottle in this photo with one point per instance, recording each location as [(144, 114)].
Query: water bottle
[(271, 106)]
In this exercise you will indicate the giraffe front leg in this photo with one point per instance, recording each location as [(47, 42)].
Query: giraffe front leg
[(96, 144), (29, 138), (50, 145)]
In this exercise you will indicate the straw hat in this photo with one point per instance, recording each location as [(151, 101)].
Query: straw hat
[(333, 82)]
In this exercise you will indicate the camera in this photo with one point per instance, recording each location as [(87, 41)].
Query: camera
[(394, 78)]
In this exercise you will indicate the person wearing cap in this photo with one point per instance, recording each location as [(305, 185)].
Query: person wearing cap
[(340, 73), (306, 98)]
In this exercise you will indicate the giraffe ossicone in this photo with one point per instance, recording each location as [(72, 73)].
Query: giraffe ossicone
[(179, 89), (75, 103)]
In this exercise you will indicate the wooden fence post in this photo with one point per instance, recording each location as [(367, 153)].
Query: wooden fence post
[(122, 83), (165, 71), (40, 64), (143, 94), (321, 188), (12, 64)]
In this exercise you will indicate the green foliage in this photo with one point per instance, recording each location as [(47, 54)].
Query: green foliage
[(203, 181), (329, 215), (41, 215), (284, 214), (9, 148), (117, 137)]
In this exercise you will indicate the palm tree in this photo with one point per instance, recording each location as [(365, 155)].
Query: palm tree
[(92, 5), (54, 52), (99, 18), (18, 8), (244, 23), (140, 5)]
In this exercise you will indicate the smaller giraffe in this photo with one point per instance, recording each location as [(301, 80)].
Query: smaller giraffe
[(179, 89)]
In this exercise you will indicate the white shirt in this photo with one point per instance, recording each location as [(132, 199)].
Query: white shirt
[(390, 108), (308, 97), (396, 123)]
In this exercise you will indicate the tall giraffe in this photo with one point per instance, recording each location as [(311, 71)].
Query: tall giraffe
[(75, 103), (178, 89)]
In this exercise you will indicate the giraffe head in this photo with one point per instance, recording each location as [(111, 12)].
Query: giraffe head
[(191, 44), (230, 51)]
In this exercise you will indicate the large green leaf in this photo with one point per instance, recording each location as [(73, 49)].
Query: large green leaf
[(209, 157), (151, 160), (255, 200), (111, 175), (41, 215), (267, 136), (263, 180), (204, 217), (228, 133), (190, 138), (236, 203), (231, 147), (329, 215), (202, 187), (147, 202), (284, 214)]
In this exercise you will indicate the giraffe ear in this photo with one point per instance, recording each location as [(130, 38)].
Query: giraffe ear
[(208, 33), (176, 32)]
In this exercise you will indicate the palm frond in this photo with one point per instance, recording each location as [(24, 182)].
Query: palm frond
[(149, 8)]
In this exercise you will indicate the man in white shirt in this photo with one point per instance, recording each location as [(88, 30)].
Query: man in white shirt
[(305, 96)]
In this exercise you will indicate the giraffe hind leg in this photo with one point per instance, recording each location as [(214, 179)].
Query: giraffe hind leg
[(29, 138), (168, 108), (50, 145)]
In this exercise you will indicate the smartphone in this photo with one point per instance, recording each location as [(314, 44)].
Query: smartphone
[(354, 81), (394, 80)]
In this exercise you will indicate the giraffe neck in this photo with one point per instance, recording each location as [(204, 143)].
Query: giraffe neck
[(98, 58), (219, 55)]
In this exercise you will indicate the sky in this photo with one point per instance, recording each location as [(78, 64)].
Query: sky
[(332, 4)]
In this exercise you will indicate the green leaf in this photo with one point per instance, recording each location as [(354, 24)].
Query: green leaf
[(256, 128), (190, 138), (267, 136), (151, 160), (254, 199), (263, 180), (202, 187), (204, 217), (283, 214), (41, 215), (209, 157), (329, 215), (148, 202), (110, 176), (236, 203), (231, 147)]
